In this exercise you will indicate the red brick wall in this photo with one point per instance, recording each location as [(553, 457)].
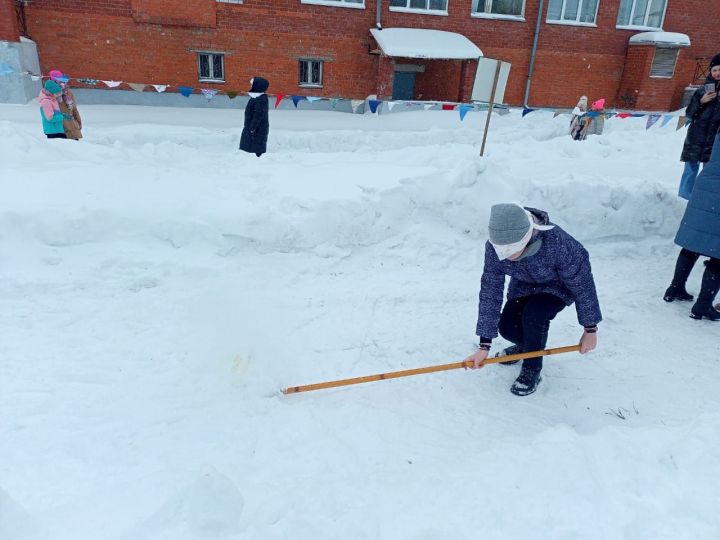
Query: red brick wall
[(9, 30), (268, 37), (199, 13)]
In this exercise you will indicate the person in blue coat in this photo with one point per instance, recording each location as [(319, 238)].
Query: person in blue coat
[(699, 234), (257, 127), (549, 270)]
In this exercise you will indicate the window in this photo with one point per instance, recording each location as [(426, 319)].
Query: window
[(572, 11), (211, 67), (512, 8), (230, 1), (641, 13), (311, 72), (664, 61), (338, 3), (421, 5)]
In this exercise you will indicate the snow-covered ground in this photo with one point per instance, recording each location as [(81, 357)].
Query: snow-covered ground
[(159, 288)]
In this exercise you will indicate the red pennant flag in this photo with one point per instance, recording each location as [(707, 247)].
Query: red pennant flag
[(448, 107), (624, 115), (278, 99)]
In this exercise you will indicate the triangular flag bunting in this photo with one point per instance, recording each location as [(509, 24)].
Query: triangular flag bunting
[(232, 94), (374, 104), (334, 102), (113, 84), (313, 99), (185, 90), (556, 114), (609, 115), (687, 121), (209, 93), (624, 115), (463, 110), (138, 87), (426, 106), (637, 115), (665, 120), (526, 111), (592, 114), (278, 99), (355, 104), (681, 123), (448, 107), (390, 105), (297, 99), (651, 120), (160, 87)]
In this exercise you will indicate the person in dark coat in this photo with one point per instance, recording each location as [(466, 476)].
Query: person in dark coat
[(704, 115), (548, 271), (699, 234), (257, 127)]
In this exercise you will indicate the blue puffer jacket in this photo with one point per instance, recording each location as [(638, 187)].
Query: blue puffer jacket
[(561, 267), (700, 226)]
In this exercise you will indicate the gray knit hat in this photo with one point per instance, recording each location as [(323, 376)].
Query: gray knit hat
[(509, 223)]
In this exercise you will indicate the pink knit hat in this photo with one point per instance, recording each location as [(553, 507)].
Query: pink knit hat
[(599, 104), (57, 75)]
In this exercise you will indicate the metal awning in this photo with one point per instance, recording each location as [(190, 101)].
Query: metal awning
[(421, 43)]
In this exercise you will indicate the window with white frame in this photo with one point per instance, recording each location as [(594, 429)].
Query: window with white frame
[(311, 72), (664, 61), (338, 3), (572, 11), (642, 13), (230, 1), (211, 67), (513, 8), (420, 5)]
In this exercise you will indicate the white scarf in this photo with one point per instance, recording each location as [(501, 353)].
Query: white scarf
[(506, 250)]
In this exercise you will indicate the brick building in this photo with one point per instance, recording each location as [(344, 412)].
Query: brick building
[(326, 48)]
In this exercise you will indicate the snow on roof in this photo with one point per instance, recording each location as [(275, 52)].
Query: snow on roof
[(419, 43), (660, 38)]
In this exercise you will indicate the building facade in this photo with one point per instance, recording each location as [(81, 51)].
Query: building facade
[(326, 48)]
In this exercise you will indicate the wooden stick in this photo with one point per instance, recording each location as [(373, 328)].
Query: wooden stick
[(429, 369)]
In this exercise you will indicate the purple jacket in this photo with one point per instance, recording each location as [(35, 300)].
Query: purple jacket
[(561, 267)]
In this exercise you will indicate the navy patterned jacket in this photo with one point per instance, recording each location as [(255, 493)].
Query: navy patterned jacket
[(561, 267)]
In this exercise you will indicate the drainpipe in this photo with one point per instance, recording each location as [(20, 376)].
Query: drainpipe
[(378, 15), (532, 53)]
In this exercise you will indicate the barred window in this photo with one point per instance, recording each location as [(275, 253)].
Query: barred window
[(311, 72), (211, 67)]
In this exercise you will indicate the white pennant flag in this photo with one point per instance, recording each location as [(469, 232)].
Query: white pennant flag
[(113, 84), (390, 105), (355, 103), (35, 77), (312, 99), (160, 87), (428, 106)]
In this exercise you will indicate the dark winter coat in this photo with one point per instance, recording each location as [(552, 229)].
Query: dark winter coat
[(705, 121), (700, 226), (561, 267), (257, 127)]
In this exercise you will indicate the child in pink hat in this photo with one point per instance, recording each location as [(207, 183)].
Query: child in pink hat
[(68, 106)]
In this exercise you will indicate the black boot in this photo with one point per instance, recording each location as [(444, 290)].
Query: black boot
[(513, 349), (527, 382), (684, 265), (703, 308)]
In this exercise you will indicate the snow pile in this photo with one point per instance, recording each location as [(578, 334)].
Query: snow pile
[(160, 288)]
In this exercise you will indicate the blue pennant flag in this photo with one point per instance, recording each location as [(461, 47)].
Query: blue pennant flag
[(637, 115), (185, 90), (652, 119), (526, 112), (374, 104), (463, 110), (609, 115), (665, 120), (297, 99), (592, 114)]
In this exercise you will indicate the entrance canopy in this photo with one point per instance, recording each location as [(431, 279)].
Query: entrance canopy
[(430, 44)]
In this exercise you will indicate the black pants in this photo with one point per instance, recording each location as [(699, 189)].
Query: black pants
[(56, 136), (526, 321)]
